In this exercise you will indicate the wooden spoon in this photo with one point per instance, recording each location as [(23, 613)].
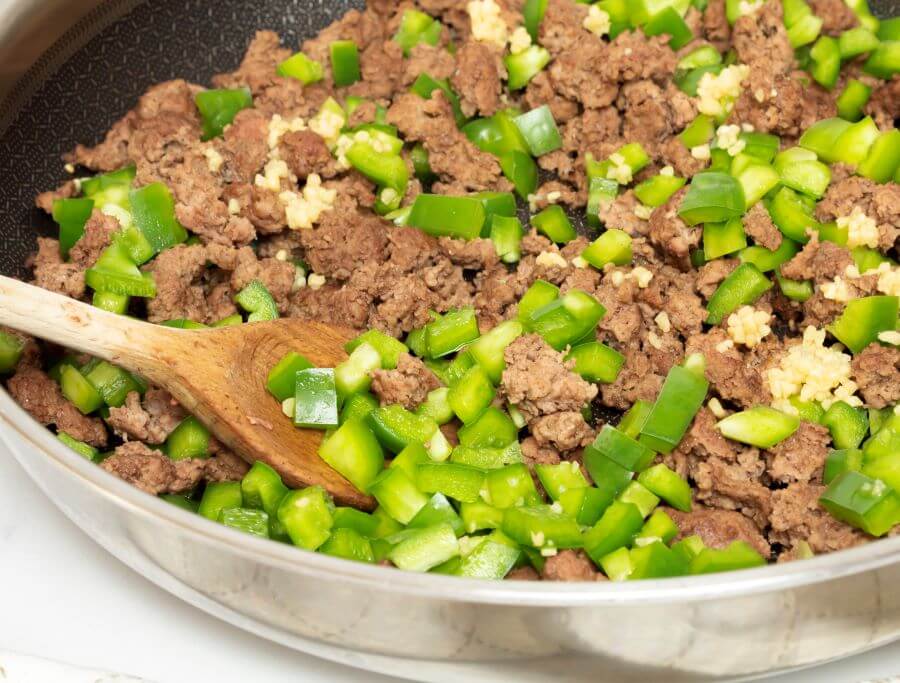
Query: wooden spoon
[(218, 374)]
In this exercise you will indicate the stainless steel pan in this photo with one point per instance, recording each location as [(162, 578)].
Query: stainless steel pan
[(97, 58)]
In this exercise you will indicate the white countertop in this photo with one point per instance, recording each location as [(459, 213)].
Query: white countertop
[(62, 597)]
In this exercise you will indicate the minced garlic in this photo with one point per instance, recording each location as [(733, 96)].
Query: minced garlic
[(281, 255), (643, 212), (579, 262), (812, 372), (837, 290), (303, 211), (654, 340), (345, 142), (748, 326), (716, 93), (551, 259), (234, 206), (214, 160), (389, 196), (729, 139), (642, 276), (274, 172), (725, 345), (315, 281), (279, 126), (715, 407), (619, 170), (554, 196), (328, 124), (888, 279), (519, 40), (663, 322), (597, 21), (701, 152), (487, 23), (891, 337), (746, 7), (862, 231), (667, 171)]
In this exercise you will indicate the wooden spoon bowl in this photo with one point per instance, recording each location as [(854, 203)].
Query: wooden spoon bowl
[(217, 374)]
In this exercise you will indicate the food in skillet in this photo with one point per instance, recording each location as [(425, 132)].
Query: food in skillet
[(708, 381)]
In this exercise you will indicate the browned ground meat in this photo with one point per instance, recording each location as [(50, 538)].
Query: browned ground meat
[(797, 516), (819, 261), (408, 385), (801, 456), (569, 565), (150, 418), (877, 372), (760, 227), (719, 528)]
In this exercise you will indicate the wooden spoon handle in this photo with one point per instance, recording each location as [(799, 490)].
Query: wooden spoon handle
[(74, 324)]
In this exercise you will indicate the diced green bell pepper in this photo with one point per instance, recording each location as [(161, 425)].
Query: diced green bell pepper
[(189, 439), (743, 286), (864, 319), (868, 504), (344, 62), (354, 452), (71, 216), (219, 496), (219, 107), (760, 426), (302, 68), (681, 397)]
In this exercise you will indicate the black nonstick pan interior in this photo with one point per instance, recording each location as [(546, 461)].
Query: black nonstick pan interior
[(156, 41)]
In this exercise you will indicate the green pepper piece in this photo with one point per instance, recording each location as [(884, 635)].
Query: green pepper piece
[(112, 383), (71, 216), (791, 215), (354, 452), (11, 348), (808, 411), (492, 559), (496, 135), (493, 429), (388, 348), (79, 390), (742, 287), (821, 137), (613, 246), (218, 496), (656, 561), (688, 548), (617, 564), (559, 478), (864, 319), (884, 61), (658, 527), (450, 332), (567, 320), (848, 425), (84, 450), (363, 523), (353, 376), (458, 367), (478, 516), (488, 349), (301, 68), (436, 511), (115, 272), (307, 517), (258, 302), (344, 62), (487, 457), (640, 496), (416, 27), (349, 545), (601, 193), (712, 197), (761, 146), (767, 260), (472, 395), (609, 477), (554, 223), (705, 55), (761, 426), (110, 188), (436, 406), (856, 41), (885, 442), (521, 170), (597, 362), (666, 484), (757, 180), (153, 210), (868, 504), (396, 428), (385, 170), (669, 22), (524, 66), (219, 107), (840, 461), (852, 99), (424, 86), (883, 160), (738, 555), (182, 502), (262, 489), (539, 130), (438, 215), (681, 397), (688, 81), (254, 522), (853, 145), (510, 486), (622, 449), (702, 128), (807, 175), (533, 14), (460, 482), (889, 29), (616, 529), (585, 505), (537, 296), (721, 239), (189, 439), (282, 379), (804, 31), (826, 61), (397, 494), (425, 548), (541, 527), (506, 234), (657, 190), (315, 399)]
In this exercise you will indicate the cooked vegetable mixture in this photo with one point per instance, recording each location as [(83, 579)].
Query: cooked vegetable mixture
[(708, 380)]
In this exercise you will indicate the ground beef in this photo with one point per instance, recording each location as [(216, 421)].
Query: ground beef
[(652, 114), (760, 227), (800, 457), (245, 147), (539, 382), (716, 26), (44, 201), (836, 15), (477, 79), (712, 273), (98, 232), (672, 292), (562, 27), (783, 104), (881, 203), (797, 516), (42, 398), (564, 431), (344, 238), (734, 485), (461, 166), (536, 454), (760, 39), (569, 565), (51, 272), (407, 385), (671, 234), (719, 528), (877, 372), (819, 261), (150, 418), (733, 374), (305, 152), (476, 254), (524, 573), (882, 104)]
